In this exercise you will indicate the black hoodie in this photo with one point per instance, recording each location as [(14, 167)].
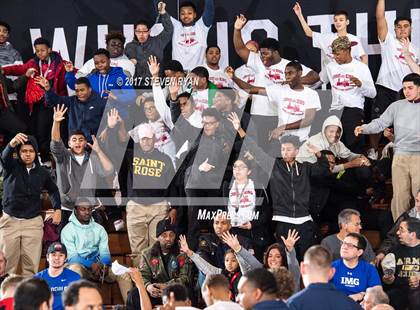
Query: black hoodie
[(290, 186), (22, 190)]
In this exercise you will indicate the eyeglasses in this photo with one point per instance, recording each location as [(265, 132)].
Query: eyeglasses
[(349, 245), (208, 123), (239, 167)]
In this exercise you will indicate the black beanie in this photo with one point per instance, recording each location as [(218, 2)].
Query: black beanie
[(164, 225)]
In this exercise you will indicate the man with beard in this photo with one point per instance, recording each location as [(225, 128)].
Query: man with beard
[(114, 41), (161, 264), (217, 75), (57, 277), (87, 246)]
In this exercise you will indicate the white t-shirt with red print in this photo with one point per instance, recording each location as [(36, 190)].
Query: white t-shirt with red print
[(218, 77), (189, 43), (394, 66), (264, 77), (323, 41), (241, 204), (292, 105), (344, 92), (247, 75), (201, 99)]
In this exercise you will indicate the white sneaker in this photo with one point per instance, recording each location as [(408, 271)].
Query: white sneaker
[(119, 225), (372, 154)]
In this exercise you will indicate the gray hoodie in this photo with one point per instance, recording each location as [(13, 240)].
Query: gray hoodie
[(74, 180), (320, 141)]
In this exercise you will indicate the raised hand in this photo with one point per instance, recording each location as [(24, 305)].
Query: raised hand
[(234, 119), (174, 86), (297, 9), (205, 166), (232, 241), (230, 72), (183, 246), (162, 8), (59, 112), (136, 276), (405, 43), (43, 82), (95, 145), (240, 22), (20, 138), (68, 66), (113, 118), (154, 66), (292, 238)]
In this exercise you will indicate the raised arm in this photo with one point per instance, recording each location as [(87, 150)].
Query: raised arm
[(298, 11), (7, 160), (247, 261), (168, 28), (414, 67), (263, 160), (251, 89), (239, 44), (204, 266), (381, 24), (104, 160), (208, 12), (158, 96), (137, 278)]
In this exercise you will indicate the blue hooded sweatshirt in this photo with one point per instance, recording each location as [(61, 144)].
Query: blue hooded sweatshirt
[(116, 81), (86, 244)]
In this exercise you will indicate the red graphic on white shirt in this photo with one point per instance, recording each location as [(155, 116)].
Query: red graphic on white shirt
[(401, 58), (201, 104), (220, 82), (294, 106), (245, 200), (188, 39), (342, 82), (274, 75), (249, 78)]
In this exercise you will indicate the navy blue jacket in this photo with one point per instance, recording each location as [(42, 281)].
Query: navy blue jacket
[(85, 116), (22, 189), (270, 305), (321, 296)]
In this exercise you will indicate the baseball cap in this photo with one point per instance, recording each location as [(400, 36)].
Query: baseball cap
[(145, 131), (57, 247)]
